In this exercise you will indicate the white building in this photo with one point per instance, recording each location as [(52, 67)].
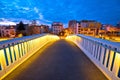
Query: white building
[(57, 27)]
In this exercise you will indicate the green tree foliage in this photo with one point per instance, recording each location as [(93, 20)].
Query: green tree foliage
[(21, 29), (20, 26)]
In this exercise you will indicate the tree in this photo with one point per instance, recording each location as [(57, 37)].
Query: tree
[(20, 26), (21, 29)]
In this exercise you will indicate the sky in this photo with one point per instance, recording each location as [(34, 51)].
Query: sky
[(48, 11)]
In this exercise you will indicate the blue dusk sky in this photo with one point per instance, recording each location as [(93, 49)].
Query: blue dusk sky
[(48, 11)]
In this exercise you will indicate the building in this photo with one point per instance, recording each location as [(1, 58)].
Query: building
[(112, 30), (89, 27), (73, 26), (66, 32), (32, 29), (44, 29), (57, 27), (8, 31), (37, 29)]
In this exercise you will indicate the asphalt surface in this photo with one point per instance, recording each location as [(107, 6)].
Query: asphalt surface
[(60, 60)]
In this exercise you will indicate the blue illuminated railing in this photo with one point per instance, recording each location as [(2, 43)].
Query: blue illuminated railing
[(15, 51), (104, 54)]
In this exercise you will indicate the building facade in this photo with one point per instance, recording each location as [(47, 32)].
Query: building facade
[(57, 27), (37, 29), (89, 27), (110, 30), (73, 26), (8, 31), (44, 29)]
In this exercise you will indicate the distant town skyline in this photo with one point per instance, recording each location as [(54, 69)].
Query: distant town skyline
[(104, 11)]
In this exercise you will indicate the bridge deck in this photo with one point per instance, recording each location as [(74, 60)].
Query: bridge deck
[(61, 60)]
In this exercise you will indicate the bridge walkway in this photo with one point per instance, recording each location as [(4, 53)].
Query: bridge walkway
[(60, 60)]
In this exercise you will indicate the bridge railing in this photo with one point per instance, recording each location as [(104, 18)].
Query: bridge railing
[(104, 54), (15, 51)]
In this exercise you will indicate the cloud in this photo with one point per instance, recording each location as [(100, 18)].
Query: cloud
[(47, 21), (65, 25), (26, 8), (7, 23), (41, 16), (36, 9), (3, 19)]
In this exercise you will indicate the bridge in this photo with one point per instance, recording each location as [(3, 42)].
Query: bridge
[(46, 57)]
